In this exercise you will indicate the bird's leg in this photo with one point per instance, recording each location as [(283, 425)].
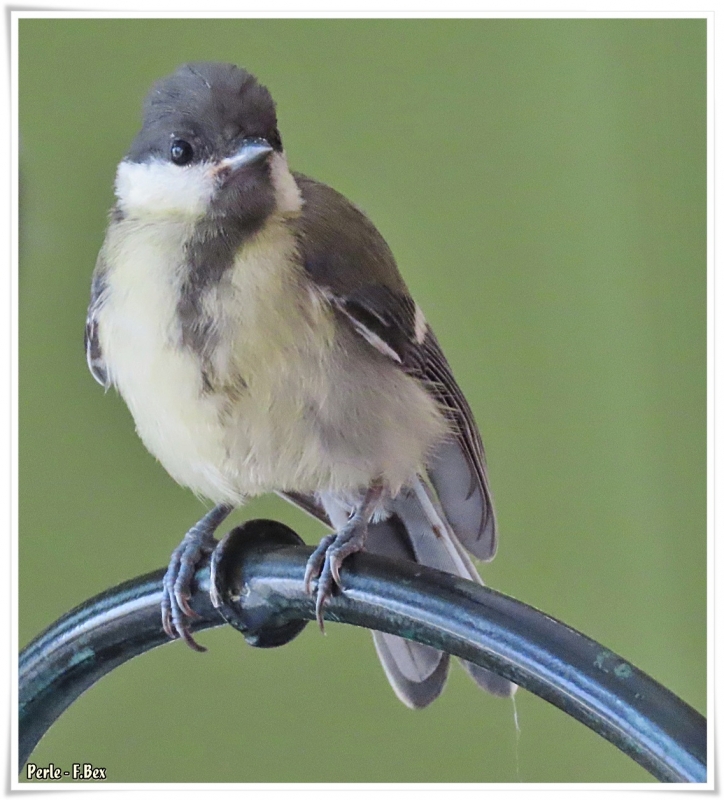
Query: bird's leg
[(198, 542), (327, 559)]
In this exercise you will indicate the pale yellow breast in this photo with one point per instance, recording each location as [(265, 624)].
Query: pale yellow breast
[(218, 443)]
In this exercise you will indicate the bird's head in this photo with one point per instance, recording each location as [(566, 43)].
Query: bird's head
[(209, 145)]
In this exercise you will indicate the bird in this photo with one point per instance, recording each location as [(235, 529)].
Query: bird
[(256, 324)]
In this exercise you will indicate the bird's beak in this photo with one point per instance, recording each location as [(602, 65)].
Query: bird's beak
[(251, 151)]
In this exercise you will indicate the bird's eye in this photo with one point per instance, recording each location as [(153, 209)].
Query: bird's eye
[(181, 152)]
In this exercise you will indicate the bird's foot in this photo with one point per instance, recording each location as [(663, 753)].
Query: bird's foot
[(326, 560), (177, 582)]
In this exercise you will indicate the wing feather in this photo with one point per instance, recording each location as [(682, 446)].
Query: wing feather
[(93, 351), (348, 260), (390, 322)]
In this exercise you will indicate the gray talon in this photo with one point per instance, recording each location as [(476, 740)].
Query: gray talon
[(179, 577)]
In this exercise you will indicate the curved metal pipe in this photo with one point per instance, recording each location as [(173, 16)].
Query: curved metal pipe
[(258, 570)]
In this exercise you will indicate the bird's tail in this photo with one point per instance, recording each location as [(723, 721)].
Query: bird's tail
[(417, 530)]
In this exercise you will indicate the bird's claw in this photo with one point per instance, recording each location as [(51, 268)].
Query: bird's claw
[(316, 562), (326, 561), (175, 609), (178, 580)]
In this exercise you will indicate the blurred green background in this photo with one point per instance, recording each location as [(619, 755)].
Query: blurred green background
[(543, 186)]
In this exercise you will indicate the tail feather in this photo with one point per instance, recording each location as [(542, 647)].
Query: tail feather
[(414, 694), (495, 684), (416, 672), (419, 531)]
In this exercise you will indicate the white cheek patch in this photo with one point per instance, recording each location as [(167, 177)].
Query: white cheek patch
[(286, 192), (162, 188)]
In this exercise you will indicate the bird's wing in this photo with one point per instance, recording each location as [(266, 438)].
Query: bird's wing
[(93, 351), (347, 258), (392, 323)]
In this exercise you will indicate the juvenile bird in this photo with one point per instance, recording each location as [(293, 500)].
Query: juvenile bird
[(256, 325)]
